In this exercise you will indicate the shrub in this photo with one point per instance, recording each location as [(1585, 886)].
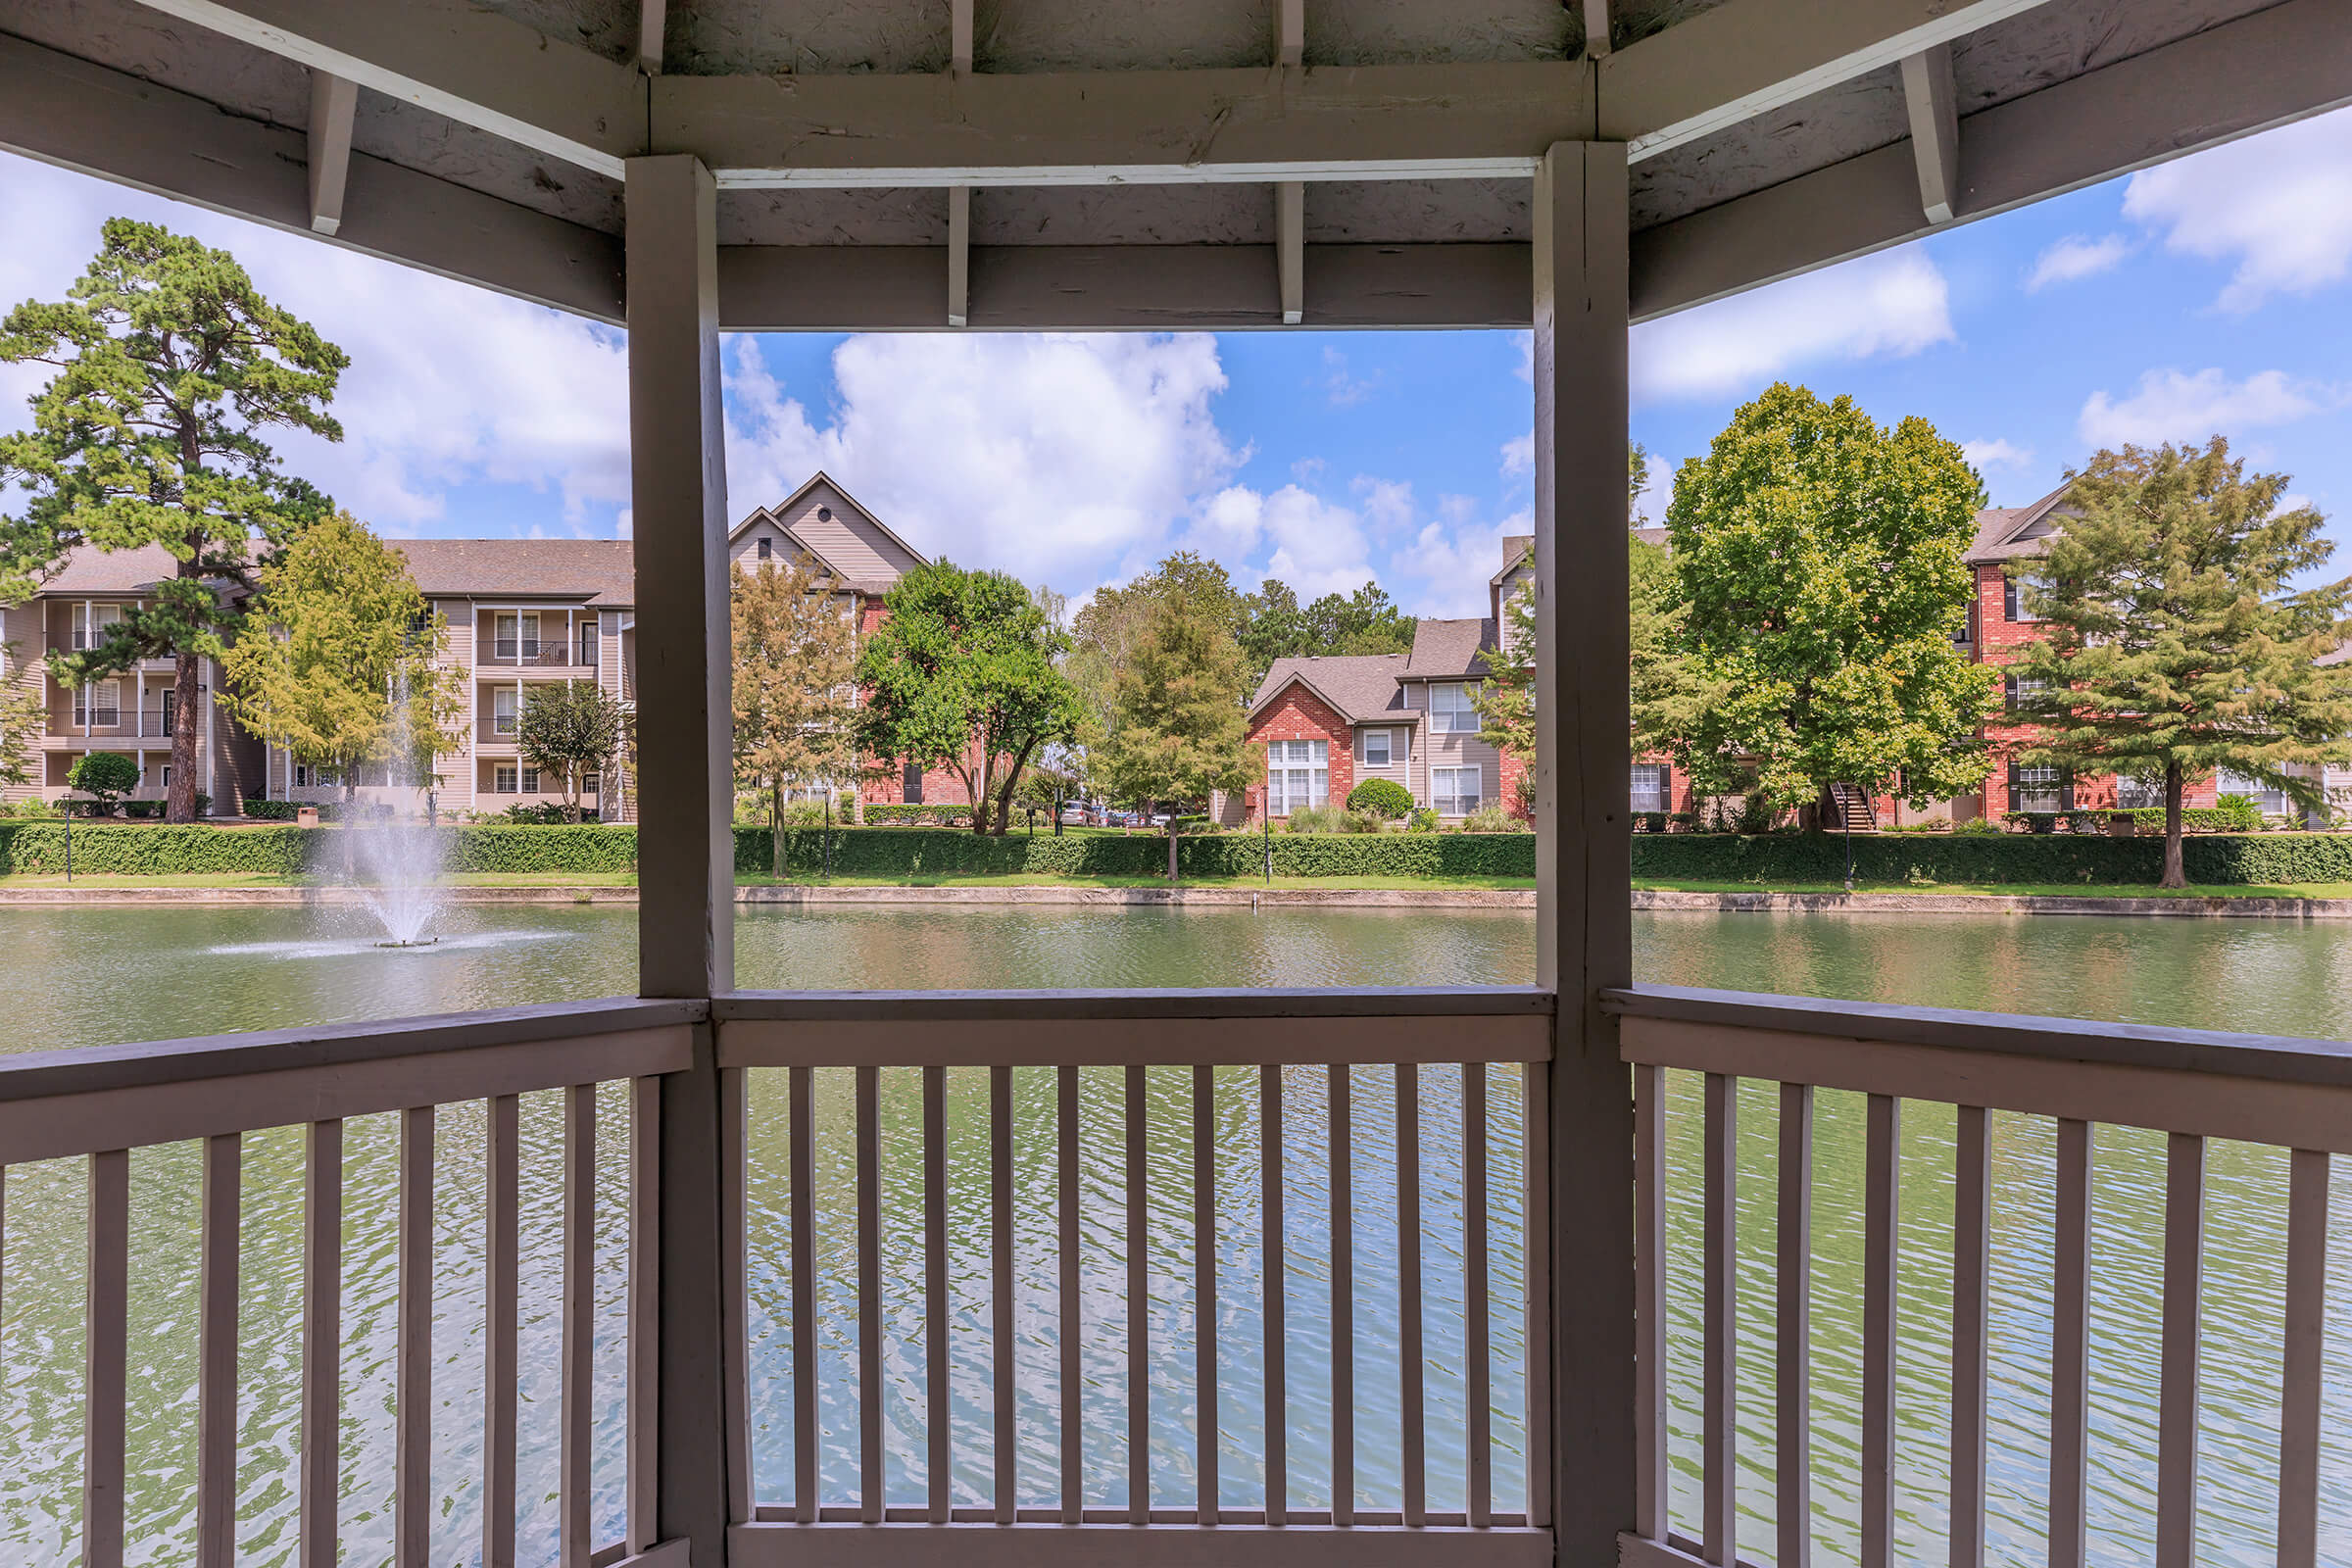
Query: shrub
[(1384, 798), (1978, 827), (1317, 819), (32, 806), (1651, 821), (1423, 821), (2232, 813), (285, 810), (882, 814), (1494, 818), (102, 776), (1985, 855)]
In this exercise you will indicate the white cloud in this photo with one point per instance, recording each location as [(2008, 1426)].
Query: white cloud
[(1346, 390), (2279, 205), (1318, 545), (1996, 454), (1658, 493), (448, 384), (1892, 304), (2171, 406), (1519, 453), (2075, 257)]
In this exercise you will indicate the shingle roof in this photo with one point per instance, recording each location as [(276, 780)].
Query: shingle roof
[(595, 572), (1998, 527), (1361, 686), (1448, 650), (90, 570)]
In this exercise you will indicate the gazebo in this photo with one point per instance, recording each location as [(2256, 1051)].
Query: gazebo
[(697, 167)]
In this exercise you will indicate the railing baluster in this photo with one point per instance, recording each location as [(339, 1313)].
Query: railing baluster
[(412, 1468), (1478, 1475), (1792, 1375), (800, 1115), (501, 1370), (1204, 1290), (217, 1352), (869, 1295), (1138, 1308), (1001, 1350), (1270, 1257), (2304, 1363), (1535, 1125), (734, 1285), (579, 1323), (1882, 1225), (1409, 1369), (104, 1361), (1343, 1302), (1071, 1329), (321, 1344), (645, 1308), (1972, 1244), (935, 1289), (2177, 1392), (2069, 1345), (1650, 1300), (1721, 1382)]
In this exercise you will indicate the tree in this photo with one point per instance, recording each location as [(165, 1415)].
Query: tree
[(1180, 732), (2174, 643), (342, 664), (571, 728), (1817, 562), (104, 776), (796, 655), (963, 674), (169, 366), (1274, 625), (23, 719)]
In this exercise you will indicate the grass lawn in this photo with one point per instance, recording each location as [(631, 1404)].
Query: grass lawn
[(2052, 890)]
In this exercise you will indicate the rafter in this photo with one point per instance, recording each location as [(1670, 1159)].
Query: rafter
[(959, 255), (1935, 130), (653, 18), (333, 102), (1289, 249)]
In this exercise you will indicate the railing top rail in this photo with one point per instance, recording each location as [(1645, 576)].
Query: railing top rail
[(2280, 1058), (1110, 1006)]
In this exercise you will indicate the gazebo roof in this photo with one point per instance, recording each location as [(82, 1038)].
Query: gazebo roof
[(909, 164)]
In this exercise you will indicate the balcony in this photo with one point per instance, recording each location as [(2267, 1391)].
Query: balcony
[(525, 653)]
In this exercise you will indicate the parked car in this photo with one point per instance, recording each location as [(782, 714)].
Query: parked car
[(1073, 816)]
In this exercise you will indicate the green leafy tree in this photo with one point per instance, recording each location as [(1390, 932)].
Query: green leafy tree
[(1275, 625), (104, 776), (341, 662), (964, 674), (1181, 733), (796, 655), (571, 728), (169, 366), (2173, 641), (1818, 562)]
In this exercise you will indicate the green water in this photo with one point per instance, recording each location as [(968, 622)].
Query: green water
[(90, 976)]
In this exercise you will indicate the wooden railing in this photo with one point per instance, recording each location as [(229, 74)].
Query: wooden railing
[(2190, 1086)]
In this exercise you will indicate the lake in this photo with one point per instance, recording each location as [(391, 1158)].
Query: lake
[(85, 976)]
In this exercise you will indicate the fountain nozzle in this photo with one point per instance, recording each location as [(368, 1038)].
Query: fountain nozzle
[(420, 942)]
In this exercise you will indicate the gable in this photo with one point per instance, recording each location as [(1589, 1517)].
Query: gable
[(844, 536)]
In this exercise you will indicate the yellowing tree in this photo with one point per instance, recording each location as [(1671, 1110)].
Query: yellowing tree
[(796, 650)]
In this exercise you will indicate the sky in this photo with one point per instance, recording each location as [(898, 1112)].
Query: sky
[(2213, 294)]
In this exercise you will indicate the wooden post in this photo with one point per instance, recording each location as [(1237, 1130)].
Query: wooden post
[(686, 911), (1583, 855)]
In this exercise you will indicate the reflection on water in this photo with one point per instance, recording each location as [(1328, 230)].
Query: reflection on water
[(86, 976)]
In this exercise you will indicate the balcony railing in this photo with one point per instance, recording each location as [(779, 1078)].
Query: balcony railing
[(531, 653)]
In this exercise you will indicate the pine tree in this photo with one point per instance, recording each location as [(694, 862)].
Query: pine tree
[(1180, 731), (169, 366), (796, 653), (2175, 642)]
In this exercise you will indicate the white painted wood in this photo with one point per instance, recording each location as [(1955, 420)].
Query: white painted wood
[(1793, 1371), (1290, 32), (1535, 1310), (1971, 1252), (2070, 1348), (578, 1376), (501, 1366), (1935, 113), (2203, 1101), (1289, 249), (1204, 1293), (935, 1290), (1139, 1305), (321, 1345), (734, 1307), (333, 101), (1273, 1343), (106, 1338), (222, 1202), (1069, 1197), (960, 36), (645, 1312), (1339, 1118), (678, 488), (1596, 29), (1881, 1249), (1157, 1545), (802, 1138), (1584, 921), (2303, 1372), (869, 1295), (1478, 1471), (652, 16), (1410, 1367), (1720, 1346), (2177, 1378), (1649, 1301), (959, 250), (412, 1405), (1000, 1288)]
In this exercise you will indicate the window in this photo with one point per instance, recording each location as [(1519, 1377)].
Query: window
[(911, 786), (503, 779), (2037, 788), (2270, 800), (2017, 687), (302, 775), (2012, 604), (166, 771), (504, 702), (1297, 775), (99, 704), (516, 636), (1653, 787), (588, 644), (1455, 791), (530, 781), (2138, 793), (1450, 713), (768, 547), (1376, 748), (90, 622), (588, 783)]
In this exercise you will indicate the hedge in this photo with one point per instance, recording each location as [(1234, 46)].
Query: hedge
[(39, 848), (2217, 859)]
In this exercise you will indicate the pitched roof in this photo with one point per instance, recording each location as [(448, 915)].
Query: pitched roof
[(1516, 548), (1448, 650), (91, 571), (1361, 687), (776, 512), (2005, 533), (593, 572)]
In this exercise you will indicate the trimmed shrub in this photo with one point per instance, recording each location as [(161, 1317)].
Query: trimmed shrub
[(284, 810), (1317, 819), (1971, 854), (1384, 798), (2233, 813), (1494, 818), (916, 853), (885, 813)]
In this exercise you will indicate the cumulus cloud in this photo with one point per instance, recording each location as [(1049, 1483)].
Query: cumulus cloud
[(1342, 386), (448, 384), (2279, 206), (1657, 492), (1888, 306), (2173, 406), (1317, 546), (1519, 453), (2075, 257), (1996, 454)]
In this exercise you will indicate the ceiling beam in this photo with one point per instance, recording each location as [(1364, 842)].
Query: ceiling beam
[(458, 59), (959, 255), (333, 102), (2283, 64), (1290, 27), (95, 121), (652, 16), (1935, 130), (1289, 249), (1596, 29), (1745, 57), (960, 36)]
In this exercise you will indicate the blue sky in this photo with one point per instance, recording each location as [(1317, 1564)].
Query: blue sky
[(2210, 294)]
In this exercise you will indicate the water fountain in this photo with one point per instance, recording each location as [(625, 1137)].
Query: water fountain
[(395, 861)]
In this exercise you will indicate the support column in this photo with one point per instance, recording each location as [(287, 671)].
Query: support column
[(685, 838), (1583, 928)]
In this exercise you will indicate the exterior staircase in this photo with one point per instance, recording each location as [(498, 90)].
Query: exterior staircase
[(1850, 810)]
